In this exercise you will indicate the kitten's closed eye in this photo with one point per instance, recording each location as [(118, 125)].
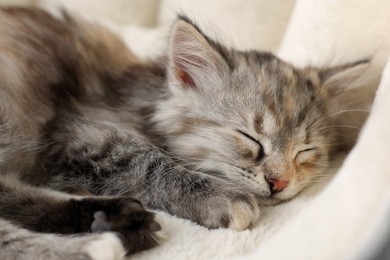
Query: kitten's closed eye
[(260, 153), (305, 155)]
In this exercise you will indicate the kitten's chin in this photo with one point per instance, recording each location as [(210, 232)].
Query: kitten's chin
[(277, 198), (271, 201)]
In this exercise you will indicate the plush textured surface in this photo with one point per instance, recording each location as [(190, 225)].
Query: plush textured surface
[(250, 24), (346, 218)]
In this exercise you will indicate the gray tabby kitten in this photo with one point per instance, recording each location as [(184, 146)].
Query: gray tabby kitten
[(206, 133)]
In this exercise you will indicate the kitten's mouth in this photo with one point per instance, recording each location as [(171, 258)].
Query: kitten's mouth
[(271, 201)]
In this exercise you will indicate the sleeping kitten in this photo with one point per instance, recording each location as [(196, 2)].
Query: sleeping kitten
[(206, 133)]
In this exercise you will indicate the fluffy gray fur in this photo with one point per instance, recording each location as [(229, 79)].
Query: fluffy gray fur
[(205, 133)]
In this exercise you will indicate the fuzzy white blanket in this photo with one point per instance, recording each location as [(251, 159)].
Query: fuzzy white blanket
[(347, 218)]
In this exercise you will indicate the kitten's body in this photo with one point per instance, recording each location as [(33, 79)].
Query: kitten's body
[(205, 134)]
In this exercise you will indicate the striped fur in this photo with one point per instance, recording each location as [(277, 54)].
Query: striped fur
[(199, 134)]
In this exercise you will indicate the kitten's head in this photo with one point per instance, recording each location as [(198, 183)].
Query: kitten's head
[(248, 116)]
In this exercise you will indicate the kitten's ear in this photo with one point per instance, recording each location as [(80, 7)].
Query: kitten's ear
[(193, 62), (343, 76), (347, 97)]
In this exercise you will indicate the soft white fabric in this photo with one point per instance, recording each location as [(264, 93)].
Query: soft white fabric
[(119, 12), (346, 218), (261, 23), (16, 2), (249, 24), (337, 31)]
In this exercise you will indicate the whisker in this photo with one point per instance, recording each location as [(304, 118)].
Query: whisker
[(346, 136), (341, 112), (334, 126)]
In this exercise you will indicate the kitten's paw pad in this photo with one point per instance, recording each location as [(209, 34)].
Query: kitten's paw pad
[(107, 247), (135, 226)]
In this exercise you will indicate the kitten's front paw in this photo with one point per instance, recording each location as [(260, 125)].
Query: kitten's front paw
[(238, 212), (125, 216), (243, 214)]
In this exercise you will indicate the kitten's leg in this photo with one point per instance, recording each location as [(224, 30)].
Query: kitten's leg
[(120, 166), (17, 243), (52, 212)]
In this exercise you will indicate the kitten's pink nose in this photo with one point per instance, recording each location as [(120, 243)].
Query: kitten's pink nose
[(276, 185)]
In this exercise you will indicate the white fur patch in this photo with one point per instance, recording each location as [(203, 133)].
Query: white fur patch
[(108, 247)]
